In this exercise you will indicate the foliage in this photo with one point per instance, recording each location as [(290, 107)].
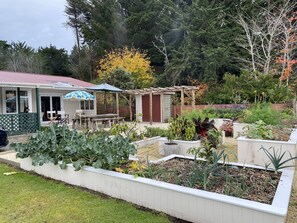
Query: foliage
[(259, 130), (277, 158), (249, 87), (132, 61), (231, 113), (264, 112), (211, 167), (182, 128), (155, 131), (19, 57), (79, 63), (204, 152), (126, 130), (227, 126), (55, 60), (207, 131), (59, 144)]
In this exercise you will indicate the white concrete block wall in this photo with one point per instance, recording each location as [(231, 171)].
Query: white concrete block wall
[(248, 150), (239, 129)]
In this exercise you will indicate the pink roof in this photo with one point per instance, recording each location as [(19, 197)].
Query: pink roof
[(8, 77)]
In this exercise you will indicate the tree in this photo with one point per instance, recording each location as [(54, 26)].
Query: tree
[(4, 46), (289, 40), (55, 60), (207, 50), (23, 58), (79, 63), (131, 61), (263, 29), (74, 10)]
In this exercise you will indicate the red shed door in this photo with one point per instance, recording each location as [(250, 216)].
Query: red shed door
[(146, 108)]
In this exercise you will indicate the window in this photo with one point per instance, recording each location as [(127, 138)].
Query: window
[(24, 101), (87, 105), (10, 100)]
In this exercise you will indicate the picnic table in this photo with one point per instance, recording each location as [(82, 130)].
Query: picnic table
[(94, 120)]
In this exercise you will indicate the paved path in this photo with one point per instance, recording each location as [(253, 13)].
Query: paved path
[(9, 158)]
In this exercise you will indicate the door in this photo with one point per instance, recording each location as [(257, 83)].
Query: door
[(49, 104), (146, 108)]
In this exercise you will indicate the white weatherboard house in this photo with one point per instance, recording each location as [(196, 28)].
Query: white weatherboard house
[(28, 100)]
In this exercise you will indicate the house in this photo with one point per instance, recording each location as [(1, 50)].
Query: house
[(29, 100)]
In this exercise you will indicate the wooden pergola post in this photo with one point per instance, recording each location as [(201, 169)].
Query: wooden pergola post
[(193, 99), (151, 107), (130, 107), (117, 100), (182, 100), (162, 106)]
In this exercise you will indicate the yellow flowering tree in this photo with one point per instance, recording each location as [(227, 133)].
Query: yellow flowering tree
[(132, 62)]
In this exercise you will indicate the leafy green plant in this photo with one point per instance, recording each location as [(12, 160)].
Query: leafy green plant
[(60, 144), (277, 158), (126, 130), (259, 130), (205, 151), (214, 137), (182, 128)]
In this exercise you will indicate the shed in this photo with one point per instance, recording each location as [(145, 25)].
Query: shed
[(155, 104)]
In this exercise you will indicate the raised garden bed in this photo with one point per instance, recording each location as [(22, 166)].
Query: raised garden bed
[(249, 149), (183, 145), (186, 203)]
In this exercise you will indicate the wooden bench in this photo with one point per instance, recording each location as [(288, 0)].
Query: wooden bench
[(104, 121), (118, 119)]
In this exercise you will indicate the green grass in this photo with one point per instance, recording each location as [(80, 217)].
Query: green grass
[(25, 197)]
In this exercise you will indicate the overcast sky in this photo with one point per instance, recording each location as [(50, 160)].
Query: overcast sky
[(36, 22)]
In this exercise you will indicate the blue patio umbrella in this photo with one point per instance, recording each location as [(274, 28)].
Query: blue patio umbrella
[(78, 96), (105, 87)]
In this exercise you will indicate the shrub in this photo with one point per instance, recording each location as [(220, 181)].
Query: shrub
[(262, 112), (155, 131), (232, 113), (182, 128)]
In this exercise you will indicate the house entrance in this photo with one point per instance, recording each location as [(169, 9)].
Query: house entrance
[(50, 105)]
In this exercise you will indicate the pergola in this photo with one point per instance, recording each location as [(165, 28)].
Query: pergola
[(189, 91)]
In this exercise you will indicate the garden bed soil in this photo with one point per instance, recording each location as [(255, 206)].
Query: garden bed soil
[(281, 134), (247, 183)]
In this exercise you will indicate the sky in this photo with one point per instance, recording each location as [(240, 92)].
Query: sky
[(38, 23)]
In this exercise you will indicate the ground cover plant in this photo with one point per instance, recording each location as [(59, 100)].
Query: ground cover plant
[(28, 198)]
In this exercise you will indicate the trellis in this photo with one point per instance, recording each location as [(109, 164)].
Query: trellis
[(22, 123)]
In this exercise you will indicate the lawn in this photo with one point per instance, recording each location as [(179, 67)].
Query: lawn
[(26, 197)]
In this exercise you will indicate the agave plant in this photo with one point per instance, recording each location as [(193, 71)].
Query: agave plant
[(276, 158)]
